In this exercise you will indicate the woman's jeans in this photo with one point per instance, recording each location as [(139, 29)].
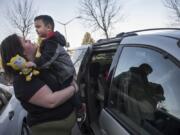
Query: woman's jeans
[(60, 127)]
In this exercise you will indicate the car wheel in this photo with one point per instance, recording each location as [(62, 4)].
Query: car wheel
[(25, 129)]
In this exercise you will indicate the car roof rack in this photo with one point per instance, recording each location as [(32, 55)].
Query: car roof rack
[(132, 33), (144, 30), (154, 29), (122, 34), (125, 34)]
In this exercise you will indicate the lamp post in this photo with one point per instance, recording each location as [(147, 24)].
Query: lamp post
[(65, 32)]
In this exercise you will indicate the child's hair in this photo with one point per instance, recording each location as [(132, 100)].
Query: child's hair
[(46, 19)]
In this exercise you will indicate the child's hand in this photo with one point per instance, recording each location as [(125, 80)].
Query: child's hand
[(30, 64)]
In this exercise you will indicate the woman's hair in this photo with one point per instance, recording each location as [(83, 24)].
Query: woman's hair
[(10, 47)]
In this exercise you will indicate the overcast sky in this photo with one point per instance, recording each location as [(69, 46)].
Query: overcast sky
[(139, 14)]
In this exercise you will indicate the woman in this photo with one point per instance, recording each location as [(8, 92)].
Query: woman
[(50, 110)]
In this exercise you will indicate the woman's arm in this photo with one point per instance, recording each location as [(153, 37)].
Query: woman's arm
[(46, 98)]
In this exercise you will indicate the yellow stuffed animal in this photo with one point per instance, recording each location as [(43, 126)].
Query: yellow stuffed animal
[(18, 63)]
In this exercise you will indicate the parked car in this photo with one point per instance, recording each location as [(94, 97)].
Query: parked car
[(131, 83), (12, 115)]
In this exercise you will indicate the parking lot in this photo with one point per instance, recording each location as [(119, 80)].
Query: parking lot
[(129, 82), (76, 131)]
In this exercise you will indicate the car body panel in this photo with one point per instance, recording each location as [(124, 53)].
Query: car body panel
[(12, 116), (110, 125)]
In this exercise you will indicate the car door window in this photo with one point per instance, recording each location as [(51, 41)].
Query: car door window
[(77, 56), (145, 92), (4, 98), (3, 80)]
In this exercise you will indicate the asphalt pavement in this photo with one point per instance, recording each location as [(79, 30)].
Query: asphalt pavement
[(76, 131)]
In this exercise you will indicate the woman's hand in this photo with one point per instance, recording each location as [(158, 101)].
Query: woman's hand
[(74, 84)]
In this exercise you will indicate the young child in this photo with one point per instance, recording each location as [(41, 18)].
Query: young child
[(54, 57)]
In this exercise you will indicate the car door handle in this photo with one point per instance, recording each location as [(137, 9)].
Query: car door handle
[(11, 115)]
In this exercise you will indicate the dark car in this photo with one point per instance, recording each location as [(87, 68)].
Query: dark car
[(131, 83)]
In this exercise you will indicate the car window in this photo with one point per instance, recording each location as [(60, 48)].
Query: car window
[(145, 92), (4, 98), (77, 56), (3, 80)]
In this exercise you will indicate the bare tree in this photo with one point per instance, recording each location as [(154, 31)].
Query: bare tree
[(174, 7), (21, 15), (101, 14)]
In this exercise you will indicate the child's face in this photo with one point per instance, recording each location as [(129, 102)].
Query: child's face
[(41, 29)]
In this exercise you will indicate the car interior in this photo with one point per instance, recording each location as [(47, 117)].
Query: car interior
[(94, 83)]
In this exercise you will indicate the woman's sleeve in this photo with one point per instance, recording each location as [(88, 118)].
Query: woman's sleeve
[(24, 90)]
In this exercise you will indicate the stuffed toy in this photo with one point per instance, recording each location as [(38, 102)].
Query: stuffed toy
[(18, 63)]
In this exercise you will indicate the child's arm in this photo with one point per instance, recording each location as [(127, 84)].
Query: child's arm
[(48, 54)]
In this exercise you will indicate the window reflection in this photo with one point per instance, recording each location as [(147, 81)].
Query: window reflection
[(146, 90), (138, 94)]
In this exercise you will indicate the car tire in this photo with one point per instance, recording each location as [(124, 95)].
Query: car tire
[(25, 130)]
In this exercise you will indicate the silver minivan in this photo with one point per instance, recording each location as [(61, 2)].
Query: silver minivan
[(131, 83)]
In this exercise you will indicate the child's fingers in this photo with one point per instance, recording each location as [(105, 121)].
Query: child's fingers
[(30, 64)]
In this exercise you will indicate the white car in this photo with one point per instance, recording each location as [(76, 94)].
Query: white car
[(12, 115)]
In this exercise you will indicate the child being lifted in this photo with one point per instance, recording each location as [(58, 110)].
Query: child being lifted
[(55, 59)]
